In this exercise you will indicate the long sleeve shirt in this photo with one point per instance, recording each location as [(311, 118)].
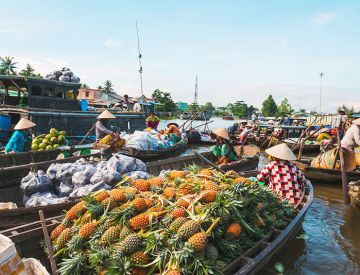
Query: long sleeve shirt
[(351, 138), (285, 179), (101, 130), (16, 142)]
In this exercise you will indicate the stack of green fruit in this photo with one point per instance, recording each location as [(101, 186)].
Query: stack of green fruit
[(49, 141)]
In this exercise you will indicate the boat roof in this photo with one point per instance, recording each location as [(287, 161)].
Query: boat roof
[(7, 80)]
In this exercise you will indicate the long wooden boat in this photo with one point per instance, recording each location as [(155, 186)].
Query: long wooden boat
[(27, 238), (330, 176), (256, 258), (19, 216), (147, 155), (308, 148)]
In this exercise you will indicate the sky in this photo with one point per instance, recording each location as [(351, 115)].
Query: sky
[(241, 50)]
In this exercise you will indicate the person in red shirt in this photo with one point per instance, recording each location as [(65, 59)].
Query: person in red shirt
[(283, 176)]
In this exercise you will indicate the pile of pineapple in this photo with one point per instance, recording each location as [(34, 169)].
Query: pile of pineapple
[(188, 222)]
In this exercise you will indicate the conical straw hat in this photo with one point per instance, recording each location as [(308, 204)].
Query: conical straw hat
[(222, 132), (356, 122), (281, 151), (106, 115), (24, 124)]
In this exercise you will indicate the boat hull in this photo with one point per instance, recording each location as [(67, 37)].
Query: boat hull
[(147, 155)]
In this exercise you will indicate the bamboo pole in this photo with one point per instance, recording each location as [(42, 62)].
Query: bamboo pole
[(88, 133), (343, 171), (294, 148), (48, 243), (300, 150), (209, 162)]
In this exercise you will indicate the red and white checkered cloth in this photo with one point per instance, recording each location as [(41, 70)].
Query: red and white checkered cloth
[(284, 178)]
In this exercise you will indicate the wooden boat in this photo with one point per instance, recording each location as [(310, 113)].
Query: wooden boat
[(201, 142), (331, 176), (27, 237), (256, 258), (228, 117), (308, 148), (147, 155), (19, 216)]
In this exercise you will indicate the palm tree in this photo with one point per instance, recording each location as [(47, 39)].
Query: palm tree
[(7, 65), (85, 86), (28, 71), (108, 86)]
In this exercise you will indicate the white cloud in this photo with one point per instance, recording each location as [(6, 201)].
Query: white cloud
[(113, 43), (324, 18)]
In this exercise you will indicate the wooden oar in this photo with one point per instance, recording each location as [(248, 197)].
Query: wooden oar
[(87, 134), (344, 179), (209, 162)]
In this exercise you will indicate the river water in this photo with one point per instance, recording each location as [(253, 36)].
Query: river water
[(329, 239)]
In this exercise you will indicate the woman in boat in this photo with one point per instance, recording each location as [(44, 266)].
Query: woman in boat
[(351, 138), (152, 121), (106, 136), (173, 132), (244, 134), (20, 137), (223, 150), (284, 177)]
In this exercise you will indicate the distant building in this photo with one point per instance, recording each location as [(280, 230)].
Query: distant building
[(97, 97), (183, 106)]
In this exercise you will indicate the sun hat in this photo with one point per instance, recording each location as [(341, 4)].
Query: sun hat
[(356, 122), (222, 132), (106, 115), (24, 124), (281, 151), (173, 123), (135, 99), (270, 121)]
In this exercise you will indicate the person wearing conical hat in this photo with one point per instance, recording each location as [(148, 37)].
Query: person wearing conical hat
[(351, 138), (20, 136), (104, 134), (283, 176), (223, 150)]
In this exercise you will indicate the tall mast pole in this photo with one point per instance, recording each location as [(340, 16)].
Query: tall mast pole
[(196, 91), (321, 77), (139, 56)]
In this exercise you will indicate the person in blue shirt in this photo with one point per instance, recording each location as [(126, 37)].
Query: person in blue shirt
[(20, 136)]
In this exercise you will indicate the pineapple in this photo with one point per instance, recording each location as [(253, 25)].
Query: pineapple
[(185, 189), (220, 265), (109, 202), (130, 190), (208, 196), (233, 231), (125, 231), (211, 186), (173, 272), (140, 221), (87, 230), (206, 173), (178, 212), (118, 195), (175, 225), (198, 241), (139, 204), (142, 185), (130, 244), (139, 271), (139, 258), (57, 231), (64, 237), (211, 253), (188, 229), (169, 192), (110, 236), (149, 202), (184, 201), (101, 196), (156, 181), (75, 211), (174, 174)]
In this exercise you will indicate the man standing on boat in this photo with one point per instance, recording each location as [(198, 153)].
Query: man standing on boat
[(20, 137), (284, 177), (103, 133), (351, 138)]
